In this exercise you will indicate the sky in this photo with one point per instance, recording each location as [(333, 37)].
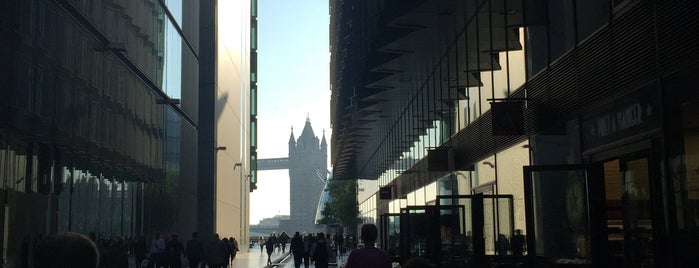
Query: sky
[(293, 67)]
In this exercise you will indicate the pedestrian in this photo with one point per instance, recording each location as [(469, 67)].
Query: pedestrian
[(195, 251), (66, 250), (369, 256), (332, 251), (269, 245), (119, 253), (319, 252), (517, 243), (229, 250), (283, 239), (140, 249), (24, 251), (276, 242), (307, 243), (216, 253), (234, 247), (157, 248), (297, 249), (261, 241), (339, 243), (175, 251)]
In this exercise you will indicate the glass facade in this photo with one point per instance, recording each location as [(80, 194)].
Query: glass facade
[(603, 171), (90, 140)]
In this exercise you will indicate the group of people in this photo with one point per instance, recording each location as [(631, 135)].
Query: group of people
[(321, 249), (69, 249), (273, 243), (75, 250)]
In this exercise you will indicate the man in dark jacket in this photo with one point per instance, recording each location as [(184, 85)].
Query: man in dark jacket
[(269, 246), (216, 253), (195, 251), (174, 251), (298, 249), (320, 252)]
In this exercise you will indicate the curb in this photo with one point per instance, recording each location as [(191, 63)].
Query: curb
[(278, 260)]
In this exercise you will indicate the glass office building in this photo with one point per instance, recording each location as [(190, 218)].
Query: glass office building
[(569, 120), (101, 118)]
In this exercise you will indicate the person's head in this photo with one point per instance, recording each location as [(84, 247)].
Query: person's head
[(297, 234), (173, 237), (449, 227), (66, 250), (194, 235), (320, 236), (216, 237), (157, 235), (369, 234)]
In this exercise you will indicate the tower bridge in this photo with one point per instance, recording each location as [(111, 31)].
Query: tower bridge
[(307, 164), (273, 163)]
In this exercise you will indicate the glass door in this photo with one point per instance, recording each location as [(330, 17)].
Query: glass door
[(473, 227), (628, 207), (390, 234), (418, 231), (558, 214)]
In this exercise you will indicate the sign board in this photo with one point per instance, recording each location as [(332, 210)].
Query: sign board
[(385, 192)]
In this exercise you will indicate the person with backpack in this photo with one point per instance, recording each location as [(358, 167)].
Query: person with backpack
[(319, 252)]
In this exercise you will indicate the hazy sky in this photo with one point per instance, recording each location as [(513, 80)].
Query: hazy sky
[(293, 68)]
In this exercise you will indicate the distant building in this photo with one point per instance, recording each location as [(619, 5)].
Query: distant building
[(307, 174), (268, 226)]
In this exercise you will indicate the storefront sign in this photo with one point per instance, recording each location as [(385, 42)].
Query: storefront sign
[(626, 116)]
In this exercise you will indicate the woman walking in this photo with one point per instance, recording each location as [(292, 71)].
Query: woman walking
[(261, 242)]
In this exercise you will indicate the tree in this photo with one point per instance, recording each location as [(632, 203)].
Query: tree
[(342, 207)]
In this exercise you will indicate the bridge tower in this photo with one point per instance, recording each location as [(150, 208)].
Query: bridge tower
[(308, 171), (308, 167)]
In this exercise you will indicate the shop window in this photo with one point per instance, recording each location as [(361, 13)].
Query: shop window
[(683, 144)]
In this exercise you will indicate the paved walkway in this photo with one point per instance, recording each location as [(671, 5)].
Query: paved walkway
[(256, 259)]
